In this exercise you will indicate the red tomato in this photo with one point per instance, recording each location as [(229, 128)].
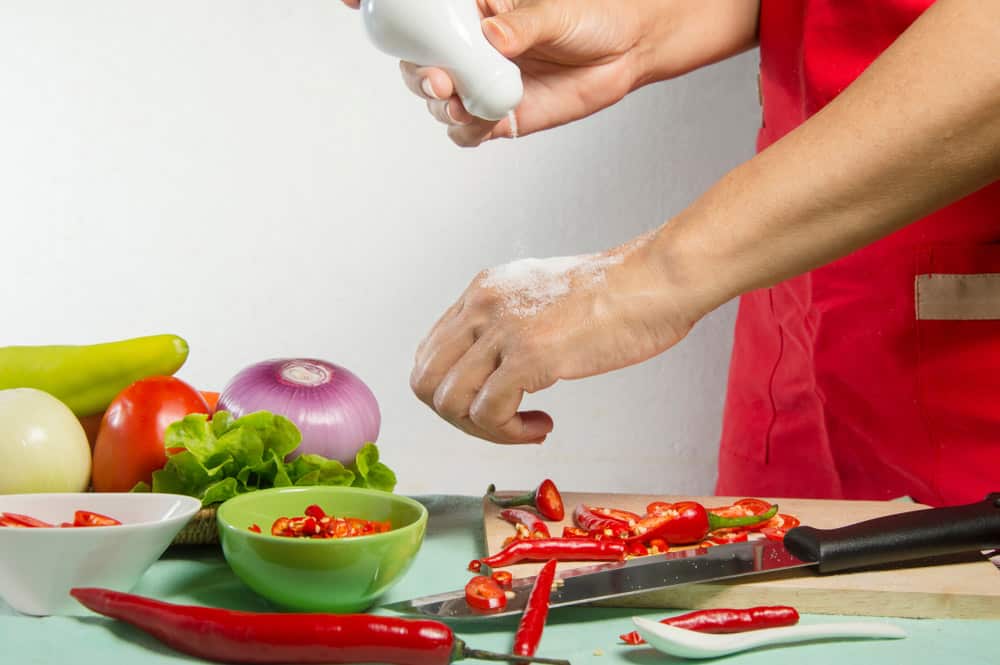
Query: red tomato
[(483, 593), (130, 444), (211, 398)]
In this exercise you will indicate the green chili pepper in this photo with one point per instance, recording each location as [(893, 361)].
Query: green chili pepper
[(86, 378)]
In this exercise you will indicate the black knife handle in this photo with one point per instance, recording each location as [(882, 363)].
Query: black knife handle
[(902, 537)]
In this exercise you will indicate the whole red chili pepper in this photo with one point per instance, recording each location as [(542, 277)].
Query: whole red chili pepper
[(545, 499), (535, 527), (249, 637), (727, 621), (688, 522), (529, 630), (563, 549)]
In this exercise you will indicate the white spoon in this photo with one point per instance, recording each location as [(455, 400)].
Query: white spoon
[(691, 644)]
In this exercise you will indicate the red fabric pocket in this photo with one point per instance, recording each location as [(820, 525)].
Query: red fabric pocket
[(957, 291)]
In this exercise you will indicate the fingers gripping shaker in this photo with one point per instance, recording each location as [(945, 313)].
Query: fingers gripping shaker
[(447, 34)]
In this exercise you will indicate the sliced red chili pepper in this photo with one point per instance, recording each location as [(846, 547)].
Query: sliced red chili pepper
[(727, 621), (254, 527), (529, 629), (545, 499), (526, 523), (685, 522), (657, 507), (778, 526), (16, 519), (317, 524), (315, 511), (755, 506), (658, 545), (632, 638), (623, 516), (88, 518), (726, 536), (483, 593), (563, 549), (729, 512), (785, 522), (636, 548), (574, 532), (280, 527), (475, 565), (587, 518), (503, 577), (689, 522)]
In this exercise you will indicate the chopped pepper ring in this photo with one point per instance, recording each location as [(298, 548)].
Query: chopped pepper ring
[(81, 518), (315, 523), (503, 577), (484, 593)]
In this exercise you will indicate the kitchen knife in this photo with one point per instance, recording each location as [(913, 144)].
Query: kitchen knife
[(909, 536)]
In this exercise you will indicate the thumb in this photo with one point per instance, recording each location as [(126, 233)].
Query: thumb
[(516, 31)]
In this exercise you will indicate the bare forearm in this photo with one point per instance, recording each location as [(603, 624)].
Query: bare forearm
[(682, 35), (918, 130)]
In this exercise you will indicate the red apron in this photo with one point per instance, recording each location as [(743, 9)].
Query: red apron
[(877, 375)]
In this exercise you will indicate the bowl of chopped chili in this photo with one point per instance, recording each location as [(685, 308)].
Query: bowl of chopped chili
[(50, 543), (321, 548)]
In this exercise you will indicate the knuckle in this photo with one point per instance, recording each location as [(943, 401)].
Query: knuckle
[(481, 298), (422, 386), (447, 404), (484, 414)]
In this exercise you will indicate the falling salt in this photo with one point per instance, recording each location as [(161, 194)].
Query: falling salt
[(529, 285)]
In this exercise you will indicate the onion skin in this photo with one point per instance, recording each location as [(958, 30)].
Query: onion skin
[(333, 408)]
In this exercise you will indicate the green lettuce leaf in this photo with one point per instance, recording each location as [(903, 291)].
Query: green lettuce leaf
[(370, 472), (219, 458)]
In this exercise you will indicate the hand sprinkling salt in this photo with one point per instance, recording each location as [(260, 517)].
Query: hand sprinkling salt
[(529, 285)]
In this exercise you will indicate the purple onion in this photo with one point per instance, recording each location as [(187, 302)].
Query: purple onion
[(334, 409)]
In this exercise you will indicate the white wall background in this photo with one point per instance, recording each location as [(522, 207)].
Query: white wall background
[(252, 176)]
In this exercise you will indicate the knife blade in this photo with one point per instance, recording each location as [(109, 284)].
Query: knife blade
[(891, 539)]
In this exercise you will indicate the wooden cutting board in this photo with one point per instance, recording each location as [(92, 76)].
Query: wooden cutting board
[(967, 588)]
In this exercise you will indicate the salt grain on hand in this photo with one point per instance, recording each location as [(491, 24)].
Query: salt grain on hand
[(530, 285)]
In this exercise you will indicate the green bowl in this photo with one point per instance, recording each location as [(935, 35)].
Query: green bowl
[(337, 575)]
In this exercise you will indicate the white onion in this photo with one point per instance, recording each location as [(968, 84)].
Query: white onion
[(42, 444), (334, 409)]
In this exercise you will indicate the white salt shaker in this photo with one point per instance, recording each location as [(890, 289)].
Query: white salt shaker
[(447, 34)]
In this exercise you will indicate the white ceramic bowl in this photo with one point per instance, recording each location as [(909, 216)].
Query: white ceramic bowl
[(38, 566)]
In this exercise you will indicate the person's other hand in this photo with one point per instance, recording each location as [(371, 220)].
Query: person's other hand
[(520, 328)]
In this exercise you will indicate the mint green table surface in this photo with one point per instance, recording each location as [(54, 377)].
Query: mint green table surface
[(583, 635)]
